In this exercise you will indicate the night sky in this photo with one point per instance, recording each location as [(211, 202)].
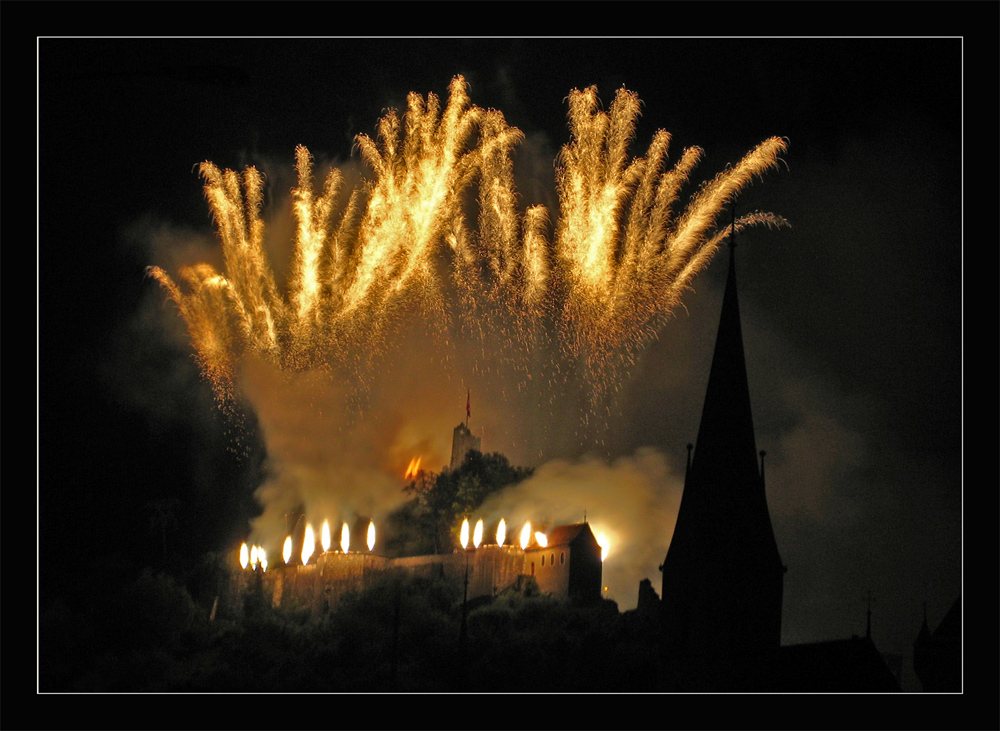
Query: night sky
[(852, 317)]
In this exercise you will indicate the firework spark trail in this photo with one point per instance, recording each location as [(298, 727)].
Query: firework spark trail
[(618, 261)]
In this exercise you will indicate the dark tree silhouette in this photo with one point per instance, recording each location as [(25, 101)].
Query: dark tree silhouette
[(163, 518), (441, 500)]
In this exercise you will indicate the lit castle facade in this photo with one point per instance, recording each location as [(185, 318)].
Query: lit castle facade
[(565, 562)]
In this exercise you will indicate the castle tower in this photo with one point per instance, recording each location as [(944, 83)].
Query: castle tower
[(722, 576), (569, 564), (463, 440)]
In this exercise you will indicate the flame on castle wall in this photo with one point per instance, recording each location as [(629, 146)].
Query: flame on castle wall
[(308, 545)]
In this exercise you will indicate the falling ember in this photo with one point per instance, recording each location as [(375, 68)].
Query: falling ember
[(325, 536), (622, 250), (465, 533), (345, 538), (413, 469), (371, 536), (244, 555), (541, 539), (308, 545), (501, 532), (525, 535), (477, 535), (286, 550)]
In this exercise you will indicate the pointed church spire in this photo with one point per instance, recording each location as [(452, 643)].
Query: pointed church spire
[(727, 422), (722, 576)]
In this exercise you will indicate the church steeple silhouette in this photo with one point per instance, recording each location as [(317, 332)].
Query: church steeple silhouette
[(722, 576)]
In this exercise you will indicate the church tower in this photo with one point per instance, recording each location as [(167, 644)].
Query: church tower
[(722, 576)]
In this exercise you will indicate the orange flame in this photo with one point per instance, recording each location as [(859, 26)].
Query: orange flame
[(371, 536), (602, 541), (345, 538), (413, 469), (286, 550), (501, 532), (525, 535), (325, 536), (465, 533), (244, 555), (253, 557), (541, 539), (477, 536)]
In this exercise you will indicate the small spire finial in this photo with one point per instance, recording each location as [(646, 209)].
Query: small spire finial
[(732, 228)]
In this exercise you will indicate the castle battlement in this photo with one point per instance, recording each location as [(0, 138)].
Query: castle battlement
[(569, 565)]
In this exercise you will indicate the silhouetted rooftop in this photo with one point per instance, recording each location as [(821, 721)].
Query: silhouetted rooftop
[(836, 666)]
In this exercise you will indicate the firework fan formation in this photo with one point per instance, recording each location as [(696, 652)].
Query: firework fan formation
[(578, 303)]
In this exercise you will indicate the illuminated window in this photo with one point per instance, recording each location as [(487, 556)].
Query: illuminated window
[(562, 558), (543, 559)]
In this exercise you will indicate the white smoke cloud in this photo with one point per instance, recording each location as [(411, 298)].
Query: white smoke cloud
[(631, 501)]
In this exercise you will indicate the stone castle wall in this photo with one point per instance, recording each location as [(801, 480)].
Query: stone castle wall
[(323, 582)]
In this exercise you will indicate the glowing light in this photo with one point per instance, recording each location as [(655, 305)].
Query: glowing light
[(622, 251), (501, 532), (413, 469), (286, 549), (262, 559), (244, 555), (253, 557), (308, 544), (325, 536), (465, 533), (525, 535), (541, 539), (477, 534), (371, 536), (602, 541), (345, 538)]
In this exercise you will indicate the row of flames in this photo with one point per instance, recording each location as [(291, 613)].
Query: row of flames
[(254, 556), (525, 539)]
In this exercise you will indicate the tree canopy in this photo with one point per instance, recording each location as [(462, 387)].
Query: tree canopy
[(440, 500)]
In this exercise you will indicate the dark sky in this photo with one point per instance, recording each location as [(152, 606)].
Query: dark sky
[(852, 317)]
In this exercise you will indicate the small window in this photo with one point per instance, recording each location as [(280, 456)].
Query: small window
[(532, 568), (552, 559), (562, 558), (543, 559)]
